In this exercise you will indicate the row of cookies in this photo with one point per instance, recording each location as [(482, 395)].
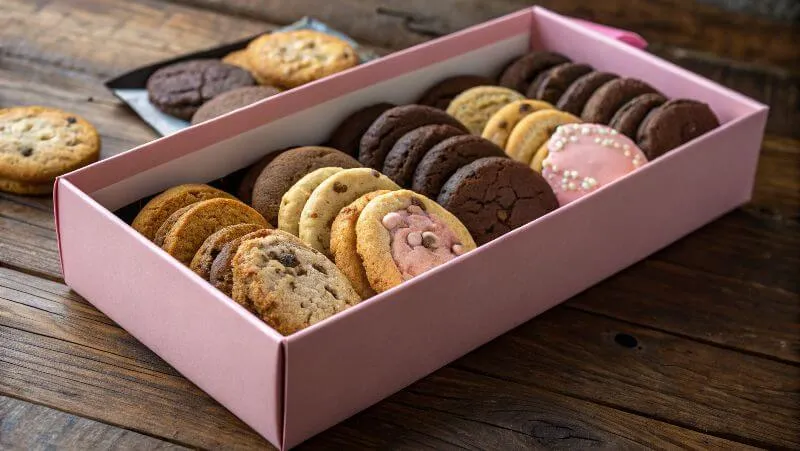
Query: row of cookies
[(271, 273), (38, 144), (201, 89)]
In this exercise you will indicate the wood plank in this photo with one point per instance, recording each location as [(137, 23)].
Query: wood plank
[(649, 373), (402, 23), (26, 426)]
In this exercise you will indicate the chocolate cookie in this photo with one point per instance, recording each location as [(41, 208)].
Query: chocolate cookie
[(575, 97), (181, 88), (392, 125), (221, 274), (628, 118), (204, 258), (232, 100), (610, 97), (288, 285), (493, 196), (440, 94), (673, 124), (347, 136), (446, 158), (245, 189), (555, 81), (521, 72), (407, 152), (286, 169)]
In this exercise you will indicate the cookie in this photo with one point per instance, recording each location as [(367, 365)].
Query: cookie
[(37, 144), (286, 169), (390, 126), (441, 94), (493, 196), (204, 258), (201, 220), (583, 158), (533, 131), (244, 190), (400, 235), (475, 106), (295, 199), (521, 72), (166, 226), (446, 158), (239, 58), (610, 97), (556, 80), (292, 58), (25, 189), (347, 136), (333, 194), (221, 274), (673, 124), (501, 123), (407, 152), (630, 116), (181, 88), (232, 100), (159, 208), (575, 97), (288, 285), (343, 244)]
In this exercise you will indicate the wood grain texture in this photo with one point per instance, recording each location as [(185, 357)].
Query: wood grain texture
[(46, 429)]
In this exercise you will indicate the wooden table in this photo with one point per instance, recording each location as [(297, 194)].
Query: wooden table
[(697, 346)]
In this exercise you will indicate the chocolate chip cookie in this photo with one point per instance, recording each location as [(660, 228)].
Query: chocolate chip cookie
[(475, 106), (221, 274), (204, 258)]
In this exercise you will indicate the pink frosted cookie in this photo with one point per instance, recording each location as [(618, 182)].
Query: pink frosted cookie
[(584, 157), (402, 234)]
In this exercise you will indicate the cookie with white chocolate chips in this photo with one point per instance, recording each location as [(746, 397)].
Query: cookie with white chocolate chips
[(402, 234)]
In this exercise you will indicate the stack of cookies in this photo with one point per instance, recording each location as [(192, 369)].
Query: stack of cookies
[(37, 144), (199, 90)]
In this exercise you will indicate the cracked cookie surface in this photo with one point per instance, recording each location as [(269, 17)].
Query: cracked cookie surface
[(288, 285), (37, 144), (180, 89), (493, 196)]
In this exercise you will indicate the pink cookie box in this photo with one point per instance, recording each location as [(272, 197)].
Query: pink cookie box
[(290, 388)]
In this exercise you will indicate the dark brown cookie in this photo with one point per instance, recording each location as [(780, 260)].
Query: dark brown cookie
[(347, 136), (628, 118), (232, 100), (493, 196), (287, 168), (407, 152), (221, 273), (181, 88), (245, 188), (555, 81), (673, 124), (440, 94), (521, 72), (610, 97), (393, 124), (575, 97), (445, 158)]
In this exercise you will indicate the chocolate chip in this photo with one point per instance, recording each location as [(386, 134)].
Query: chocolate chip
[(375, 173), (344, 55), (339, 187), (525, 108), (502, 124), (26, 151), (418, 203), (319, 268), (288, 260), (71, 120), (313, 215)]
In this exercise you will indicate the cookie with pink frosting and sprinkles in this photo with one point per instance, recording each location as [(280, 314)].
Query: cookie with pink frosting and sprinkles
[(585, 157), (402, 234)]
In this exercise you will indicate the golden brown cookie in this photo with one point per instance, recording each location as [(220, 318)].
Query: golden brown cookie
[(538, 158), (37, 144), (159, 208), (165, 226), (295, 198), (204, 258), (333, 194), (201, 220), (25, 189), (475, 106), (221, 275), (533, 131), (288, 285), (501, 123), (402, 234), (293, 58), (239, 58), (343, 244)]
